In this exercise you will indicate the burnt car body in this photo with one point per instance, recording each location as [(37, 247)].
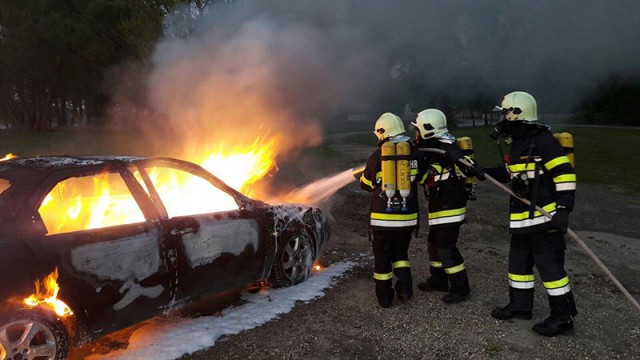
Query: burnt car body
[(117, 275)]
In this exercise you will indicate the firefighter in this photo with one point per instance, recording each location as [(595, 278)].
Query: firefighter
[(538, 169), (394, 214), (445, 189)]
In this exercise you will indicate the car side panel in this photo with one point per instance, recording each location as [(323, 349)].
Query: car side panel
[(119, 275), (226, 251)]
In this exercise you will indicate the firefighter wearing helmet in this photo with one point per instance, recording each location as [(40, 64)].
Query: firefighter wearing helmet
[(390, 175), (445, 189), (539, 170)]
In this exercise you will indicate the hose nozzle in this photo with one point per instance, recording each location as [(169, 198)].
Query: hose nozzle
[(357, 171)]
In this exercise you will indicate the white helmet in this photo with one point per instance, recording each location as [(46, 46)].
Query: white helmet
[(519, 105), (388, 125), (431, 123)]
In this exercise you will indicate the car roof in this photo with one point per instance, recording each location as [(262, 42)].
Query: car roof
[(14, 169), (63, 162)]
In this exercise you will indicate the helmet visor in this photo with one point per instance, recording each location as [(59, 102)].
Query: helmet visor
[(505, 110)]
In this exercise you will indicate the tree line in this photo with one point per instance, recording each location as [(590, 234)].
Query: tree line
[(55, 54)]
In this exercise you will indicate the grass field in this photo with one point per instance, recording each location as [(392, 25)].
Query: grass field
[(602, 155)]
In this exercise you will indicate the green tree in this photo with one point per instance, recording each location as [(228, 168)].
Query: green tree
[(55, 54), (612, 102)]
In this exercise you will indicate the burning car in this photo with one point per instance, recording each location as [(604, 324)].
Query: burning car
[(112, 241)]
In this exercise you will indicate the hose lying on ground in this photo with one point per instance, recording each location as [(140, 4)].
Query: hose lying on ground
[(571, 233)]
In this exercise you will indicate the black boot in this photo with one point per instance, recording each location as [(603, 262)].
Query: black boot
[(553, 327), (563, 309), (563, 306), (384, 293), (404, 284), (459, 290), (436, 282), (519, 306), (507, 312)]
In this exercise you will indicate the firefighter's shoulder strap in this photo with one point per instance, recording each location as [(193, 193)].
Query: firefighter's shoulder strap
[(536, 179)]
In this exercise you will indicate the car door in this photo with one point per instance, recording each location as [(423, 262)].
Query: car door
[(106, 247), (218, 244)]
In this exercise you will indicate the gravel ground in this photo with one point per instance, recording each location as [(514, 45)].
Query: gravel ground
[(347, 322)]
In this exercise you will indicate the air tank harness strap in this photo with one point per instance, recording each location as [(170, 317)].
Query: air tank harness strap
[(395, 157), (535, 190)]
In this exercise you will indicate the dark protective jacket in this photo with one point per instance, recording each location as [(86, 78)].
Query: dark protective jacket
[(540, 171), (396, 219), (444, 184)]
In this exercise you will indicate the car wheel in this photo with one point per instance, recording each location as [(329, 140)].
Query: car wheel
[(294, 259), (30, 335)]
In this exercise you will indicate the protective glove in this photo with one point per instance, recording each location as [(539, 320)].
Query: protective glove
[(453, 155), (477, 171), (560, 219)]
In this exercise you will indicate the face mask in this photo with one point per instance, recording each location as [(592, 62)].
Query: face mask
[(507, 128)]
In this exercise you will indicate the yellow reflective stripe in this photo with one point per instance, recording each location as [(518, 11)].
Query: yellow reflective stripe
[(413, 172), (564, 178), (381, 216), (437, 167), (556, 284), (366, 181), (424, 178), (557, 161), (525, 215), (455, 269), (401, 264), (515, 277), (522, 167), (445, 213), (436, 264), (378, 175), (387, 276)]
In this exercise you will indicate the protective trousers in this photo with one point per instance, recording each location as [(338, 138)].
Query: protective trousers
[(545, 250), (390, 257), (446, 260)]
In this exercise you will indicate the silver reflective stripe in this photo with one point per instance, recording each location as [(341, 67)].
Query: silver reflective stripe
[(394, 223), (521, 284), (566, 186), (559, 291), (446, 220), (530, 174), (442, 177), (528, 222)]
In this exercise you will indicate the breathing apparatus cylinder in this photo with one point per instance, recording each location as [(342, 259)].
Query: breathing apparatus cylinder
[(566, 141), (466, 145), (403, 150), (388, 150)]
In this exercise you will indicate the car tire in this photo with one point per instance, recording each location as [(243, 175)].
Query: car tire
[(294, 259), (23, 334)]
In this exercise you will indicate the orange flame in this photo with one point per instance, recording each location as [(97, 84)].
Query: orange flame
[(47, 293), (8, 156), (242, 165), (84, 203)]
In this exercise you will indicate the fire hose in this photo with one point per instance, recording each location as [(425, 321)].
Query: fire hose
[(571, 233)]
